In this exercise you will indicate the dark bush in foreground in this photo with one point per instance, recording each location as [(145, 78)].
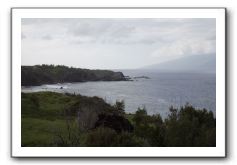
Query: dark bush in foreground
[(106, 137), (115, 122), (53, 119), (190, 127)]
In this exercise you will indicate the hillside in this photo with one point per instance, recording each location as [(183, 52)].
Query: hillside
[(197, 63), (51, 119), (50, 74)]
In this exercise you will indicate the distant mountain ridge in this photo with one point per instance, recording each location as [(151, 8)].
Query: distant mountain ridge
[(195, 63)]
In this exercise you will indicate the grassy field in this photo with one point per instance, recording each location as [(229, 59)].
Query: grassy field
[(42, 117), (40, 132), (48, 117)]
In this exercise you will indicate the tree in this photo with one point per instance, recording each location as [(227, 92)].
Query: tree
[(120, 107), (190, 127), (140, 116)]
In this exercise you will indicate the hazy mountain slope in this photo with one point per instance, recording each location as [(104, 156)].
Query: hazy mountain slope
[(197, 63)]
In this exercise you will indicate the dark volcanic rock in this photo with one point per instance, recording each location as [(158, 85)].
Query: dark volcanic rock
[(117, 76)]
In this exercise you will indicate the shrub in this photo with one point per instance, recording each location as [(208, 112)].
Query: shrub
[(190, 127), (106, 137)]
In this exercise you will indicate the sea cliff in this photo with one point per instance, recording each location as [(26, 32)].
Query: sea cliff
[(51, 74)]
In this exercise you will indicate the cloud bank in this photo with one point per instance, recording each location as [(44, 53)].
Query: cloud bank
[(114, 43)]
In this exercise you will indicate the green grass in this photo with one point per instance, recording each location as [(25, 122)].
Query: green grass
[(40, 132), (43, 117), (46, 105)]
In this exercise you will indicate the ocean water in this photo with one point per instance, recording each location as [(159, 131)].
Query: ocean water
[(156, 94)]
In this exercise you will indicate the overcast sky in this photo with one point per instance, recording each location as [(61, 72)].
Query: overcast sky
[(114, 43)]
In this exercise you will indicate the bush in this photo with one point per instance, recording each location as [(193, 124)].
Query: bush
[(106, 137), (74, 120), (68, 136), (190, 127), (100, 137), (184, 127), (120, 107)]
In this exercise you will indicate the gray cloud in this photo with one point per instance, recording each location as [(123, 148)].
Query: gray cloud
[(125, 30), (47, 37), (147, 40)]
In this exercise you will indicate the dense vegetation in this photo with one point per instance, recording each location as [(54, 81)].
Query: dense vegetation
[(54, 119), (50, 74)]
